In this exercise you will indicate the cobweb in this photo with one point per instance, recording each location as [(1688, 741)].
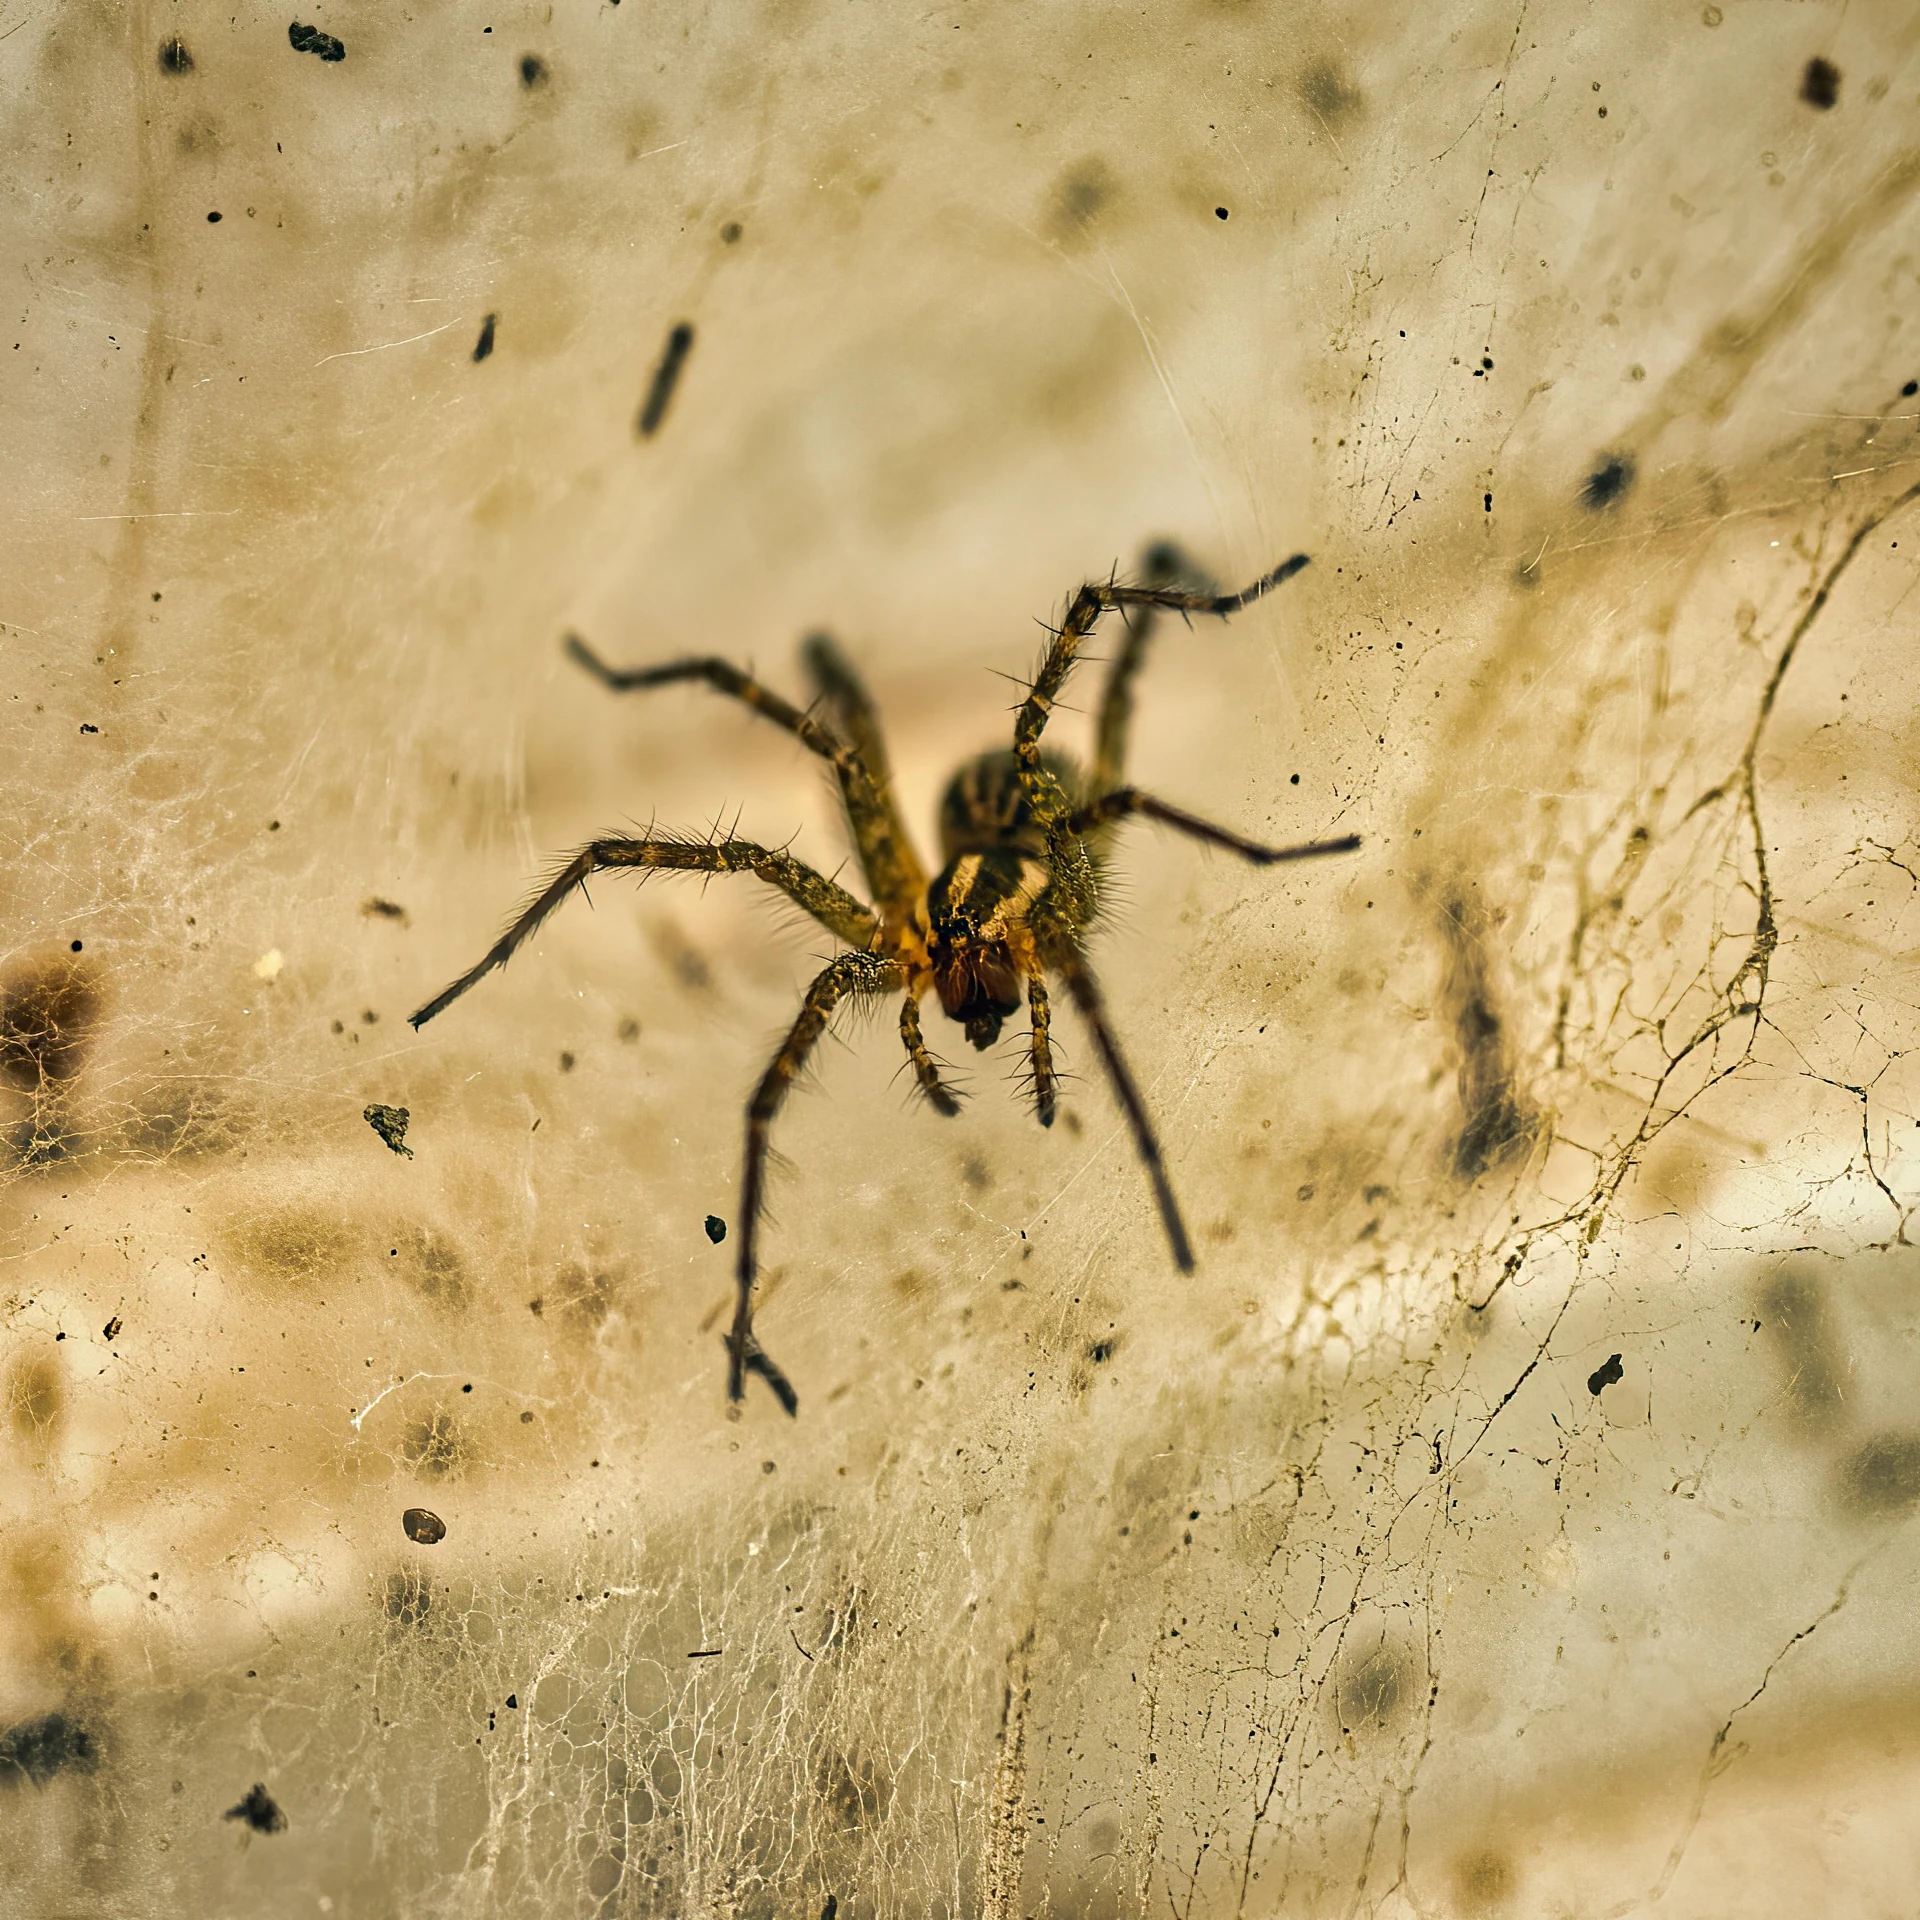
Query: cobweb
[(1513, 1514)]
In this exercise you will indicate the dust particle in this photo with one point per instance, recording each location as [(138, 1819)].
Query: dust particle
[(390, 1123), (716, 1228), (1607, 483), (1606, 1376), (259, 1810), (1820, 84), (174, 58), (312, 40), (423, 1528)]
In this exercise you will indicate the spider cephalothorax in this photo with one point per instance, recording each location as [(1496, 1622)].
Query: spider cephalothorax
[(1024, 835)]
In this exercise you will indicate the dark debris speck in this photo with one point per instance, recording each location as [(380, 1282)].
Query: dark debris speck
[(1607, 483), (312, 40), (174, 58), (1606, 1376), (716, 1228), (390, 1123), (1820, 84), (259, 1810)]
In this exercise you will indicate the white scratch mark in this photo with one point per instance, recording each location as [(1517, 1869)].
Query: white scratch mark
[(381, 346)]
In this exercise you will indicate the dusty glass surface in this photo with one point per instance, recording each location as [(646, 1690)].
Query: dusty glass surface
[(1513, 1513)]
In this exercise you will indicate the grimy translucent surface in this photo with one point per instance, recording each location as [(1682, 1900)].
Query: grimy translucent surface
[(1515, 1512)]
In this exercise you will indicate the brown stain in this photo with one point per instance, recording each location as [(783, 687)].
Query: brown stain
[(1080, 197), (1496, 1124), (36, 1398), (1373, 1688), (1881, 1478), (49, 1016), (1328, 93), (1483, 1881), (435, 1448), (298, 1245), (1797, 1319)]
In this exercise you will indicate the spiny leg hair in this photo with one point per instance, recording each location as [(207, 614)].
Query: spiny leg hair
[(1123, 802), (1163, 565), (832, 905), (926, 1072), (893, 871), (1088, 605), (855, 973), (1046, 1083)]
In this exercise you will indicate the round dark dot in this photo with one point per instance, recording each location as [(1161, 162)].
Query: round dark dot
[(1294, 781), (273, 826), (1603, 113), (532, 70), (1910, 389), (1219, 213), (213, 219), (468, 1388), (76, 946), (716, 1228), (1488, 364), (730, 232), (156, 596)]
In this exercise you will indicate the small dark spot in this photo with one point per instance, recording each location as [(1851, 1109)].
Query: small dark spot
[(1219, 213), (312, 40), (337, 1027), (484, 345), (174, 58), (1304, 1194), (1101, 1351), (1489, 502), (390, 1123), (111, 1331), (1603, 113), (666, 376), (533, 70), (259, 1811), (369, 1018), (273, 826), (768, 1466), (213, 220), (526, 1419), (47, 1744), (566, 1063), (513, 1702), (716, 1228), (75, 947), (1293, 780), (87, 726), (1607, 483), (1820, 84), (1605, 1376), (731, 232), (423, 1528), (628, 1030), (376, 908)]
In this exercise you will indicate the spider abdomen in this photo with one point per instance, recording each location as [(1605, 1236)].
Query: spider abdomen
[(986, 805)]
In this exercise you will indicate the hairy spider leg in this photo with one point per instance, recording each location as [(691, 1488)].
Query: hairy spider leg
[(1164, 565), (829, 903), (1087, 997), (893, 870), (1087, 607), (856, 973), (939, 1096), (1123, 802), (857, 720), (1046, 1083)]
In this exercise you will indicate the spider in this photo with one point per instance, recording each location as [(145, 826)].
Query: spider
[(1025, 837)]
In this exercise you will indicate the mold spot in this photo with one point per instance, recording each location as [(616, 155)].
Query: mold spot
[(48, 1744), (432, 1266), (259, 1810), (1495, 1125), (1794, 1313), (408, 1599), (296, 1245), (174, 58), (533, 71), (1820, 84), (374, 907), (1483, 1880), (1883, 1476), (432, 1447), (1607, 484), (1080, 195), (49, 1014), (1371, 1691), (36, 1396), (1327, 92)]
